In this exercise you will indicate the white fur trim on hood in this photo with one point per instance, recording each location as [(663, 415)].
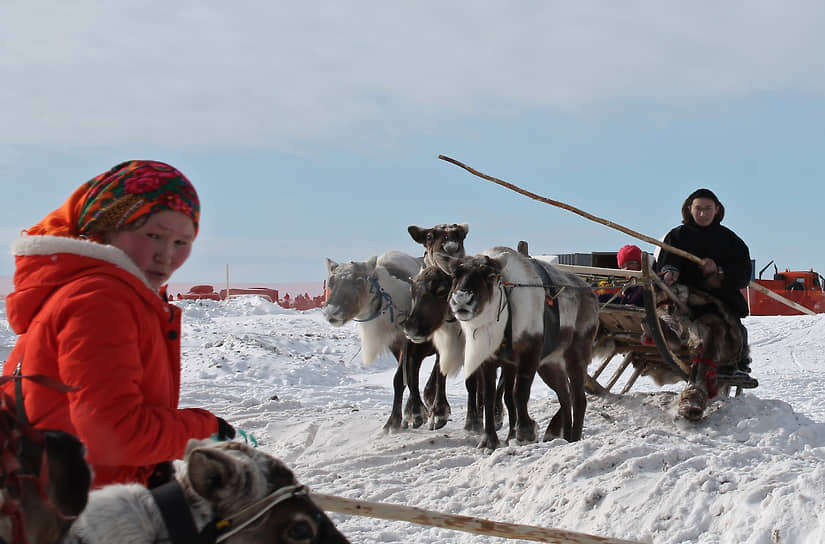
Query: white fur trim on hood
[(28, 245)]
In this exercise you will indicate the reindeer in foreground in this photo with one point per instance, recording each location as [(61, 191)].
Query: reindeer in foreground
[(501, 296), (376, 293), (231, 491), (44, 478)]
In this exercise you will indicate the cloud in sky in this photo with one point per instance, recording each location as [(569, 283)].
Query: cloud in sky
[(311, 129), (278, 75)]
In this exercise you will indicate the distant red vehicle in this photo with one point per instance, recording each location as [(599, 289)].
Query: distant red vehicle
[(199, 292), (801, 286), (269, 294)]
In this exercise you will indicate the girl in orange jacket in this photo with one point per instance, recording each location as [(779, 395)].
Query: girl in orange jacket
[(89, 311)]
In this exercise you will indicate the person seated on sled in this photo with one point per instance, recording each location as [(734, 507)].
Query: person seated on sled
[(90, 309), (726, 265), (629, 258)]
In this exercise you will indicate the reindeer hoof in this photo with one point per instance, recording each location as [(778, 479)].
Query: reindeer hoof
[(392, 424), (526, 434), (473, 425), (488, 442), (418, 421), (438, 422), (550, 435)]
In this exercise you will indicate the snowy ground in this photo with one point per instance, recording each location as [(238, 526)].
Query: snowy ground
[(753, 471)]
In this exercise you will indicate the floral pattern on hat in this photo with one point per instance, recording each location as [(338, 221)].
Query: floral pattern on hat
[(132, 190)]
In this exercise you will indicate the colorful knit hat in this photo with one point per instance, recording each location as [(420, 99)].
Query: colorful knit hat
[(129, 191), (628, 253)]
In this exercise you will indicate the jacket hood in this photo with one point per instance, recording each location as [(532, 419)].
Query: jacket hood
[(43, 264)]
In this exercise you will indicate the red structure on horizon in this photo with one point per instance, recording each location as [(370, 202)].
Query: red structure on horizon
[(299, 302)]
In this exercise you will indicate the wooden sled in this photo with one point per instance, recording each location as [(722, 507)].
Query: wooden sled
[(637, 335)]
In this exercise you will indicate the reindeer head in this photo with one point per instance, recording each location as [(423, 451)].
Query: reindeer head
[(348, 287), (430, 291), (440, 241), (475, 281), (235, 478)]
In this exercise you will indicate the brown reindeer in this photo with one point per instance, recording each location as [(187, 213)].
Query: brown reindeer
[(44, 480), (441, 242), (500, 297), (431, 319)]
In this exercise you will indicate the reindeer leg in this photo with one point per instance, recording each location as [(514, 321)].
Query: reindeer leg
[(562, 420), (473, 421), (508, 381), (414, 412), (489, 439), (431, 387), (440, 409), (577, 356), (527, 356), (394, 422), (499, 403)]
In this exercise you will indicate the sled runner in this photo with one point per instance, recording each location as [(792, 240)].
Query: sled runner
[(645, 338)]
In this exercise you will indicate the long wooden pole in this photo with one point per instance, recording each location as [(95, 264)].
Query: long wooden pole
[(455, 522), (667, 247), (556, 203)]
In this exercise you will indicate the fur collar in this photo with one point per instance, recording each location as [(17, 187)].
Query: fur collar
[(28, 245)]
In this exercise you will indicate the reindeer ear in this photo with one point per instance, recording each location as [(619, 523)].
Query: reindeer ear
[(331, 266), (464, 227), (495, 264), (209, 470), (196, 443), (418, 234)]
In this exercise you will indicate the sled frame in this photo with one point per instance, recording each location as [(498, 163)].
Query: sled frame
[(625, 325)]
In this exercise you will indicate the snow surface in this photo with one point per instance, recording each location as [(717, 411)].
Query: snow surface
[(753, 471)]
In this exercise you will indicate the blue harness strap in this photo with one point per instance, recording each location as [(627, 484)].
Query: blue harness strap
[(375, 287)]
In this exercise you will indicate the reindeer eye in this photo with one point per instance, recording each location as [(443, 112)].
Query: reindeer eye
[(442, 288), (299, 530)]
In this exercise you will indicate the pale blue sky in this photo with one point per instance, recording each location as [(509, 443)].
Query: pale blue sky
[(312, 129)]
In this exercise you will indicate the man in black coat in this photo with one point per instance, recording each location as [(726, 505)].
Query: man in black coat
[(727, 263), (726, 266)]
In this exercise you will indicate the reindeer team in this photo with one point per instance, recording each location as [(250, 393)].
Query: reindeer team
[(499, 309)]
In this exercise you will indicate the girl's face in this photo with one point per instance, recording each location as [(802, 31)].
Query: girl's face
[(158, 247), (703, 211)]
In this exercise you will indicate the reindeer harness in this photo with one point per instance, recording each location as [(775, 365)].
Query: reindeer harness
[(171, 501), (382, 298)]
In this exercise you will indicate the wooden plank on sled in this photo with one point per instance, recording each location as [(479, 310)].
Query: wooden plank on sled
[(455, 522), (595, 271)]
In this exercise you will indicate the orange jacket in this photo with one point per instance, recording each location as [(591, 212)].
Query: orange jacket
[(86, 317)]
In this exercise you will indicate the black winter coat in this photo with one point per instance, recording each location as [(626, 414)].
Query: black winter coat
[(723, 246)]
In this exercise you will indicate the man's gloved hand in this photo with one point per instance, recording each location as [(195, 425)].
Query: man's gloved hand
[(225, 430)]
